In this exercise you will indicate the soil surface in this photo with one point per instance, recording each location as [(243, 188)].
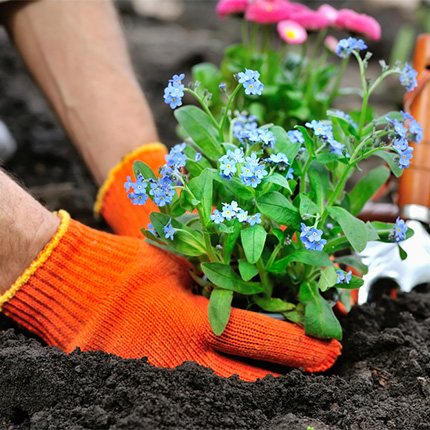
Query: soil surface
[(381, 381)]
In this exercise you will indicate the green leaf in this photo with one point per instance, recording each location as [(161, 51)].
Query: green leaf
[(219, 309), (355, 230), (185, 240), (310, 145), (367, 187), (143, 169), (273, 304), (247, 270), (307, 206), (327, 279), (276, 178), (307, 256), (195, 167), (328, 158), (253, 240), (391, 158), (319, 181), (202, 188), (230, 239), (223, 276), (353, 261), (279, 234), (200, 128), (345, 299), (284, 144), (320, 320), (236, 188), (372, 234), (402, 253), (280, 209)]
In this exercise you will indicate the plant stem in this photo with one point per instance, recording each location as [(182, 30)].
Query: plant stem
[(204, 106), (227, 108), (264, 278)]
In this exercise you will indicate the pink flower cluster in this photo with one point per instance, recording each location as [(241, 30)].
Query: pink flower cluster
[(294, 19)]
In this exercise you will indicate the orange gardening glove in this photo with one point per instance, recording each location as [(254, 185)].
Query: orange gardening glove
[(121, 295), (112, 201)]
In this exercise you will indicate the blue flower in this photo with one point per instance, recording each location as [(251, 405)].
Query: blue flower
[(280, 157), (139, 187), (267, 138), (128, 184), (198, 157), (217, 217), (311, 238), (252, 159), (174, 91), (290, 173), (228, 167), (296, 136), (400, 230), (320, 129), (169, 231), (405, 157), (227, 212), (335, 146), (342, 277), (345, 47), (222, 85), (416, 131), (260, 172), (408, 77), (250, 82), (255, 219), (151, 229), (406, 115), (400, 145), (236, 155), (242, 215), (138, 199)]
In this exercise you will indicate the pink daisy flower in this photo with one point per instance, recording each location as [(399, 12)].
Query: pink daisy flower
[(292, 32), (230, 7), (310, 19), (269, 11), (360, 23), (330, 12)]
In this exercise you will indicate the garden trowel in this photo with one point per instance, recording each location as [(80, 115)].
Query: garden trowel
[(383, 259)]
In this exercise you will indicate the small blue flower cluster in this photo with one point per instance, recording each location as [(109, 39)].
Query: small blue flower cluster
[(325, 134), (243, 126), (344, 115), (138, 196), (311, 237), (401, 137), (250, 80), (400, 230), (174, 92), (408, 77), (161, 189), (232, 211), (345, 47), (296, 136), (252, 172), (342, 277), (168, 230)]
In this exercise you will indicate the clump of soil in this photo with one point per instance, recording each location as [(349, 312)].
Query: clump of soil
[(381, 381)]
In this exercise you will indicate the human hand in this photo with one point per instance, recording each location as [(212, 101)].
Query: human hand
[(123, 296)]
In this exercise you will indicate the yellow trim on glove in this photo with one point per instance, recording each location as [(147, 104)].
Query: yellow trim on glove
[(147, 147), (41, 258)]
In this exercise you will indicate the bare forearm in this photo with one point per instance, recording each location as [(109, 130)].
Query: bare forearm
[(77, 54)]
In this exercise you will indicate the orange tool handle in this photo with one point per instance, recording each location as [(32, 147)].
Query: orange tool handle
[(414, 184)]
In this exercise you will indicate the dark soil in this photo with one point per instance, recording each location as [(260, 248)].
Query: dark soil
[(382, 380)]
